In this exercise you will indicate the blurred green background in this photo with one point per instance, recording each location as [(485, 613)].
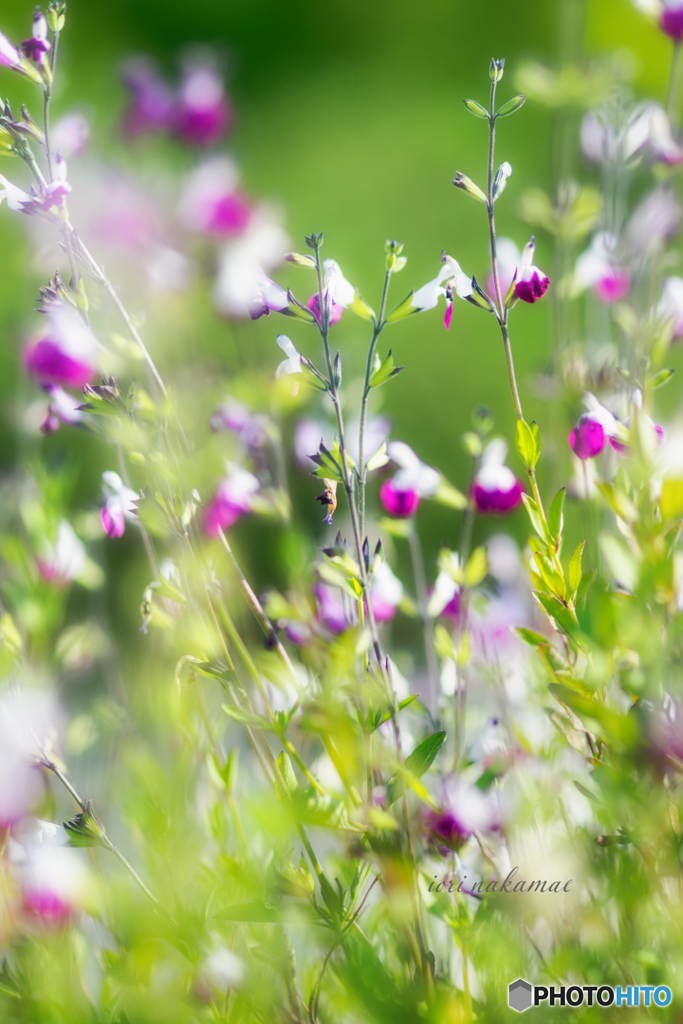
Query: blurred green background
[(350, 116)]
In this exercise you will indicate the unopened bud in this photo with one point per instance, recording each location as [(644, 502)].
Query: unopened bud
[(56, 15), (394, 246), (300, 261), (467, 185), (496, 70), (84, 829)]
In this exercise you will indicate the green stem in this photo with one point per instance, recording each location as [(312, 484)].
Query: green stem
[(673, 100), (379, 324), (422, 601)]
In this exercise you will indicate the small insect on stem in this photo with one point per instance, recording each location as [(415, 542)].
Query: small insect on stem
[(329, 498)]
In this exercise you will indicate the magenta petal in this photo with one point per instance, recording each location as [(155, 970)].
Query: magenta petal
[(587, 439), (399, 503), (202, 126), (229, 216), (114, 523), (613, 286), (45, 360), (671, 23), (220, 515), (335, 309), (533, 289), (449, 316), (498, 501), (47, 906)]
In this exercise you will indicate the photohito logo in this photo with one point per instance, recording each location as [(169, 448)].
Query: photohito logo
[(522, 995)]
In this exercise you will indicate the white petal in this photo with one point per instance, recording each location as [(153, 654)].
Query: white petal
[(340, 290)]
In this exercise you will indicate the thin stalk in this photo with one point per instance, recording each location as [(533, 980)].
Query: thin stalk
[(673, 99), (362, 471), (48, 763), (422, 601)]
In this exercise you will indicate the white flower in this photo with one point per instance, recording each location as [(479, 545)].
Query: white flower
[(120, 504), (413, 474), (385, 586), (656, 218), (225, 969), (292, 364), (65, 559), (671, 304), (244, 264), (339, 289), (427, 296)]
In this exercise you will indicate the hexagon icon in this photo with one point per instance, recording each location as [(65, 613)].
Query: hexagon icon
[(519, 995)]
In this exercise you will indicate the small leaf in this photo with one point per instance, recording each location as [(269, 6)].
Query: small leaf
[(476, 568), (671, 499), (526, 444), (535, 518), (585, 583), (448, 495), (511, 107), (556, 517), (287, 772), (556, 612), (385, 372), (586, 792), (245, 717), (262, 912), (387, 714), (477, 109), (361, 308), (575, 568), (417, 763), (379, 459), (531, 637), (661, 378)]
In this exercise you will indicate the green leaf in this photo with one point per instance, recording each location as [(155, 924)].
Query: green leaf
[(552, 578), (661, 378), (476, 568), (379, 459), (606, 724), (262, 912), (534, 516), (416, 764), (387, 714), (531, 637), (556, 611), (245, 717), (556, 517), (329, 462), (622, 504), (671, 499), (586, 792), (404, 309), (477, 109), (287, 772), (511, 107), (575, 568), (385, 372), (527, 446)]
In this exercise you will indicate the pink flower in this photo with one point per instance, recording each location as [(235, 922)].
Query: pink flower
[(63, 408), (26, 719), (386, 593), (211, 203), (338, 293), (120, 505), (444, 598), (400, 502), (531, 284), (671, 19), (588, 438), (595, 268), (63, 353), (70, 134), (495, 488), (53, 883), (65, 559), (233, 499), (335, 309), (657, 434), (413, 474), (9, 55), (202, 114), (463, 810), (230, 415)]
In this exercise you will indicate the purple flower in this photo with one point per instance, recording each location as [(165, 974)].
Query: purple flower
[(463, 810), (268, 296), (233, 499), (202, 113), (230, 415), (9, 55), (70, 134), (211, 203), (120, 504), (36, 47), (495, 488), (331, 612), (588, 438), (400, 502), (152, 105), (671, 19), (531, 283), (335, 311), (63, 353), (63, 408)]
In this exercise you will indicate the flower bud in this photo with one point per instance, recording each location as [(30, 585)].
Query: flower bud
[(468, 186), (496, 69), (300, 261), (671, 20), (56, 15)]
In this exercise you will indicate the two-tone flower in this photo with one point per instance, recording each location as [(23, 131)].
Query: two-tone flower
[(671, 19), (64, 560), (233, 499), (202, 112), (62, 409), (11, 57), (597, 268), (593, 429), (495, 488), (645, 133), (463, 811), (211, 203), (63, 352), (450, 281), (38, 45), (338, 293), (414, 480), (531, 284), (120, 505)]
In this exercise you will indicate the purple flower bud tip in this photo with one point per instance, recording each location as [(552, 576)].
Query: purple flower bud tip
[(587, 438), (671, 21), (401, 504), (531, 284), (335, 309)]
